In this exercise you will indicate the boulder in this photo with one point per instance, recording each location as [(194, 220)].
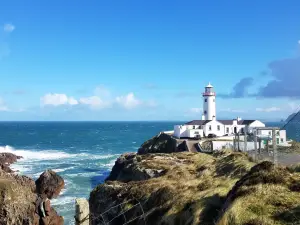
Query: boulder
[(50, 183), (162, 143)]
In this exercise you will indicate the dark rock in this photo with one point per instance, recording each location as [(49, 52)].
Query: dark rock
[(162, 143), (49, 183)]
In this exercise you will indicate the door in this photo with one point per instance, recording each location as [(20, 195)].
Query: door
[(235, 130)]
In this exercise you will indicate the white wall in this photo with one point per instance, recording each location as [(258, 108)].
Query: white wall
[(219, 145), (210, 107), (179, 130), (182, 131), (280, 136), (195, 132), (214, 128)]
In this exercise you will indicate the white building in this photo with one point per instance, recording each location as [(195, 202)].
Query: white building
[(209, 125)]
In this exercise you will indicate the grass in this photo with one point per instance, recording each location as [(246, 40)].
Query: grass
[(224, 188)]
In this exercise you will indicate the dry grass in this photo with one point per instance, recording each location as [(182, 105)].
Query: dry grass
[(225, 188)]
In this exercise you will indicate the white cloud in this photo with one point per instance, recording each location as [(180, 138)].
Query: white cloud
[(195, 110), (94, 102), (233, 110), (128, 101), (8, 28), (271, 109), (57, 99)]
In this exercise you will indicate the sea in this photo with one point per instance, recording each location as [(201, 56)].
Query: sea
[(83, 153)]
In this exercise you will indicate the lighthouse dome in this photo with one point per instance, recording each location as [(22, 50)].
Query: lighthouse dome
[(209, 86)]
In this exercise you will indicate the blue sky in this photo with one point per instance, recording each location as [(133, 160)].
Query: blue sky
[(148, 60)]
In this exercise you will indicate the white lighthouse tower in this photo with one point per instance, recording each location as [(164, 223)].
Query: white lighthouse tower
[(209, 103)]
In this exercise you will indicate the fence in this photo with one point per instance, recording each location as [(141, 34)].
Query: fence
[(124, 213), (258, 147)]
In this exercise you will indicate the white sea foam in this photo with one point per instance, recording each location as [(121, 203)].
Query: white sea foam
[(88, 174), (20, 168), (63, 200), (63, 169), (50, 154)]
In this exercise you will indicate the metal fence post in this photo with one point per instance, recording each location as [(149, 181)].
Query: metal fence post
[(255, 143), (274, 147), (245, 140)]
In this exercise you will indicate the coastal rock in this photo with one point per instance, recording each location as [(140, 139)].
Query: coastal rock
[(129, 167), (6, 159), (17, 199), (162, 143), (49, 181)]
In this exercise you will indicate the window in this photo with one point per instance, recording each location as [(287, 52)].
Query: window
[(205, 112), (281, 140), (277, 140), (213, 100), (270, 133), (278, 133), (193, 127), (206, 100), (227, 130), (209, 128), (218, 127), (196, 132)]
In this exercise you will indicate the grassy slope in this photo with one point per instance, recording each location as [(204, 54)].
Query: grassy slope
[(214, 189)]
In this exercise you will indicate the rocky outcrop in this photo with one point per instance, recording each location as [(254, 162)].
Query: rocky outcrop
[(50, 182), (6, 159), (18, 195), (127, 169), (162, 143)]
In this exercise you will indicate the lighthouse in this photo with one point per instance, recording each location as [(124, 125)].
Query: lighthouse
[(209, 103)]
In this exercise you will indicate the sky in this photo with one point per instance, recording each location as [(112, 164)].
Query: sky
[(148, 60)]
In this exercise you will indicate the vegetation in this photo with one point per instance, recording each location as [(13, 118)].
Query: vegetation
[(224, 188)]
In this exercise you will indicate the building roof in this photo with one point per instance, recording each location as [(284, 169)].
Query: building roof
[(197, 122), (226, 122), (245, 122)]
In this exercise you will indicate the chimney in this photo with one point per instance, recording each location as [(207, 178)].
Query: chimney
[(203, 117)]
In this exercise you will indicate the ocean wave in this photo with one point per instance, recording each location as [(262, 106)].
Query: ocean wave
[(63, 200), (50, 154)]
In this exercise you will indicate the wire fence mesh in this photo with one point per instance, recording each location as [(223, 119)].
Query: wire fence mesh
[(124, 213)]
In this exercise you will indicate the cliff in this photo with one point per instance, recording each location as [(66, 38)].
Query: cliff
[(196, 188), (18, 194)]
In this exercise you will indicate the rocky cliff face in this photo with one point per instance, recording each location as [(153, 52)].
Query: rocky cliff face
[(194, 188), (18, 195)]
